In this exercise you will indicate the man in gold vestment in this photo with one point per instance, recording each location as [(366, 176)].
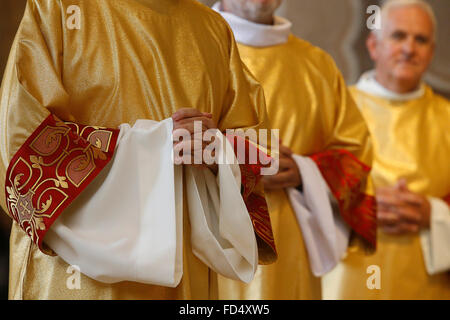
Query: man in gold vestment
[(77, 65), (410, 128), (320, 191)]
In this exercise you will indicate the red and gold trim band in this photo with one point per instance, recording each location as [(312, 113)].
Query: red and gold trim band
[(347, 176), (447, 199), (253, 196), (50, 170)]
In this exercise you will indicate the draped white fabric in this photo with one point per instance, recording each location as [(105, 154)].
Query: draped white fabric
[(128, 224), (436, 240), (325, 233)]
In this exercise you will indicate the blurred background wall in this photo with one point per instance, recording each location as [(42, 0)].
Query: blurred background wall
[(338, 26)]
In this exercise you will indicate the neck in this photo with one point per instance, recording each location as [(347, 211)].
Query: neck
[(247, 14)]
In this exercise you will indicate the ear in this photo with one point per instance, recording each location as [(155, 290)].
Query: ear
[(372, 44)]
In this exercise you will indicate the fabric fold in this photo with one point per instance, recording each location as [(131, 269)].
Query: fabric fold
[(222, 232), (127, 225), (255, 34), (436, 240), (325, 233)]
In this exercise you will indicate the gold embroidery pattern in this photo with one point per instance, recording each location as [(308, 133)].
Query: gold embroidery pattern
[(50, 170)]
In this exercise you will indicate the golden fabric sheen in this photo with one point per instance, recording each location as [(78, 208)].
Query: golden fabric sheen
[(308, 101), (130, 60), (411, 141)]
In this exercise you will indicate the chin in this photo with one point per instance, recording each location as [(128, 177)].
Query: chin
[(264, 6), (407, 74)]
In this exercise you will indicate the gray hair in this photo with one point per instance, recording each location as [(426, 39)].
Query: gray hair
[(388, 5)]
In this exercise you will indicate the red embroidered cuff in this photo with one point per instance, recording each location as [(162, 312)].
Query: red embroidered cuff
[(347, 176), (54, 165), (254, 197)]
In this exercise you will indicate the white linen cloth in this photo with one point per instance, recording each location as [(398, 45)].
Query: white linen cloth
[(325, 233), (128, 223)]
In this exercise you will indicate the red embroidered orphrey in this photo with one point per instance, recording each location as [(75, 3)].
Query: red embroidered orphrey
[(256, 203), (55, 164), (347, 176)]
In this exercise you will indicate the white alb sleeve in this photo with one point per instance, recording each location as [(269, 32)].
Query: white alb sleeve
[(325, 233), (222, 231), (436, 240)]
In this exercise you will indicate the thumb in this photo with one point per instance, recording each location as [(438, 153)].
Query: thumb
[(402, 184)]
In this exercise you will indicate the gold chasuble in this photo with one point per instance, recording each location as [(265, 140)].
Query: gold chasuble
[(411, 141), (79, 67), (307, 100)]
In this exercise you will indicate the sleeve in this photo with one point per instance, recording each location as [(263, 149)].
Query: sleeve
[(436, 240), (345, 165), (222, 231), (325, 233), (48, 162), (135, 201), (244, 108)]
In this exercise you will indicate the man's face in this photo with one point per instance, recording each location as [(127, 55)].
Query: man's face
[(253, 9), (405, 47)]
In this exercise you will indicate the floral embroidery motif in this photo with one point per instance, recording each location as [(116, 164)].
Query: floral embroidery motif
[(51, 169), (347, 176)]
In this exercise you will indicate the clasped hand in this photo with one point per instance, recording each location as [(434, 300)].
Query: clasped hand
[(288, 175), (401, 211), (184, 121)]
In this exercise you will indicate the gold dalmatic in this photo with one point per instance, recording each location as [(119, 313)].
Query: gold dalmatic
[(411, 141), (307, 100), (124, 61)]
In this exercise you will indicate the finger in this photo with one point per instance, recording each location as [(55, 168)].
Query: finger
[(188, 113), (401, 229), (387, 218), (393, 230), (281, 180), (285, 164), (386, 191), (285, 151), (385, 206), (190, 127), (204, 121), (410, 215), (188, 152), (388, 199), (402, 184), (410, 227), (412, 198)]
